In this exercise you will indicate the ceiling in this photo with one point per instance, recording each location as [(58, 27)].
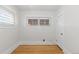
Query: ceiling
[(37, 7)]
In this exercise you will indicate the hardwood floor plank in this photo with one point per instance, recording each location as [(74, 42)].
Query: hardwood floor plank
[(38, 49)]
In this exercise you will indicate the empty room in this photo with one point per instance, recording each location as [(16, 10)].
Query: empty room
[(39, 29)]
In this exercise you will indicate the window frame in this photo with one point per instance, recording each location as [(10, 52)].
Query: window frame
[(38, 19)]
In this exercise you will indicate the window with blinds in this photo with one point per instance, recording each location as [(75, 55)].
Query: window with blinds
[(6, 16), (38, 21), (33, 21), (44, 21)]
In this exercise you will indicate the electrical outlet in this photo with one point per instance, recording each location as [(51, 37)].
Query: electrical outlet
[(61, 33), (56, 40), (44, 40)]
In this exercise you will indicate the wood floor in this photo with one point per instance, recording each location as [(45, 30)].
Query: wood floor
[(38, 49)]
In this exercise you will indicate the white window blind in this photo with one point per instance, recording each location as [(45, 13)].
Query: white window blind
[(6, 16)]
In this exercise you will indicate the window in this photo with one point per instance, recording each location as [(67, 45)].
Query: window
[(38, 21), (44, 21), (33, 21), (6, 16)]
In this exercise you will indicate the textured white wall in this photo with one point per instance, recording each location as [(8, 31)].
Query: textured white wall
[(36, 34), (59, 26), (71, 28), (8, 34)]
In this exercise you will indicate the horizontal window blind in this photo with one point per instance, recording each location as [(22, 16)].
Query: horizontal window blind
[(6, 16)]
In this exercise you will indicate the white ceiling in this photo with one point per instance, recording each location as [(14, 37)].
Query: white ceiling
[(37, 7)]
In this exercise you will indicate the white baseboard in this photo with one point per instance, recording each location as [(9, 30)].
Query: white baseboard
[(35, 43), (11, 49), (64, 49)]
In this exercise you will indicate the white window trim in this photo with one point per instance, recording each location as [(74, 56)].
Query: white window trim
[(38, 20)]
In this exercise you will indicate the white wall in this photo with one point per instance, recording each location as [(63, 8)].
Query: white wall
[(59, 27), (72, 28), (65, 21), (36, 34), (8, 34)]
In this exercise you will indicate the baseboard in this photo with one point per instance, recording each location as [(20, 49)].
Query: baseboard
[(64, 49), (35, 43), (11, 49)]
